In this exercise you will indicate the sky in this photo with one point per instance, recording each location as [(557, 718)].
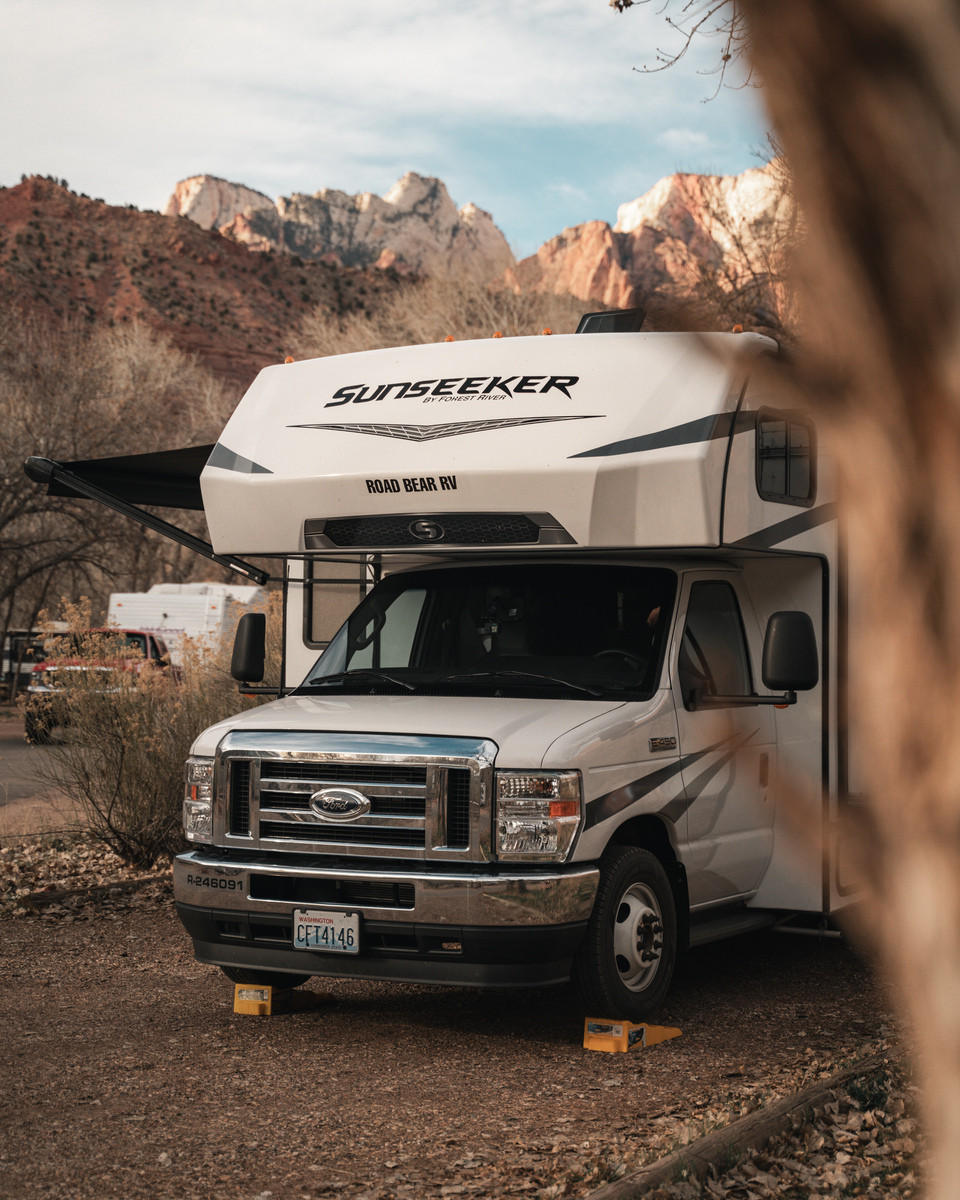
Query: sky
[(536, 110)]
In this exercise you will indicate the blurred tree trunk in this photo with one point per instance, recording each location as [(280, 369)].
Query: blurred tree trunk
[(865, 96)]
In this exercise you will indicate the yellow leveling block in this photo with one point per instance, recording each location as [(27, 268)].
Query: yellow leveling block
[(612, 1036), (268, 1001), (256, 1001)]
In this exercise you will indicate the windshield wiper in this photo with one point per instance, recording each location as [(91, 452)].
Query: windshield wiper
[(358, 676), (513, 674)]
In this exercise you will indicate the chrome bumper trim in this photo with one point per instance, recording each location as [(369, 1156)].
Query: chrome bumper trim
[(440, 897)]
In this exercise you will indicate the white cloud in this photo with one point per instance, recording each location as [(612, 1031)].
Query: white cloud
[(684, 142), (125, 97)]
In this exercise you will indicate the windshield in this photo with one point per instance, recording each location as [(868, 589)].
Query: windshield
[(584, 630)]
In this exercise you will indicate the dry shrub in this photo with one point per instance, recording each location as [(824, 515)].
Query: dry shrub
[(125, 727), (432, 309)]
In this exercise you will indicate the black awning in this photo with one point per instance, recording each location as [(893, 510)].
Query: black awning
[(164, 479)]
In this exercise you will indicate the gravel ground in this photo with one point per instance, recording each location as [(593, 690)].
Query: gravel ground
[(125, 1072)]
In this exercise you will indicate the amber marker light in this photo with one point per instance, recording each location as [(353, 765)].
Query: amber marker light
[(564, 808)]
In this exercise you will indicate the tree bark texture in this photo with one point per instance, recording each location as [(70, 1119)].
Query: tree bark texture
[(865, 95)]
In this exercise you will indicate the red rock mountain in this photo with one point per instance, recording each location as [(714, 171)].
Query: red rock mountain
[(64, 254), (229, 274), (686, 228)]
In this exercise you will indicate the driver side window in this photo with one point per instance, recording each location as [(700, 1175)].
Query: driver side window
[(713, 653)]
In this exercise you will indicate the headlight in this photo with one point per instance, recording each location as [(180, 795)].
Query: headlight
[(198, 800), (538, 814)]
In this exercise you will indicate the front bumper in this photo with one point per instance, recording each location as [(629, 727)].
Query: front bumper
[(480, 928)]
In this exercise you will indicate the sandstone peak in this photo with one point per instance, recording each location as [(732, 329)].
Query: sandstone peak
[(213, 202), (687, 232), (415, 226), (724, 209)]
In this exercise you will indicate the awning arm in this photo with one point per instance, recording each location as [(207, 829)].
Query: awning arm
[(45, 470)]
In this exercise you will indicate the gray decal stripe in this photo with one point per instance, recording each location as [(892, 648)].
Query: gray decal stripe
[(220, 456), (676, 808), (773, 535), (607, 806), (705, 429), (427, 433)]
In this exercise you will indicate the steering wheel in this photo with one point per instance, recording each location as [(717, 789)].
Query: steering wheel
[(631, 659)]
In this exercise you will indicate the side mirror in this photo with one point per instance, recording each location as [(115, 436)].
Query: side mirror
[(249, 648), (790, 659)]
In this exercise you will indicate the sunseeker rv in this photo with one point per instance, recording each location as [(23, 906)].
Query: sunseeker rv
[(546, 744)]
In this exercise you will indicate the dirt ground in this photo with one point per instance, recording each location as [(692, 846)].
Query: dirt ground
[(125, 1072)]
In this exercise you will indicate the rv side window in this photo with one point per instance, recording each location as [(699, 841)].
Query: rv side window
[(785, 459), (334, 589), (713, 653)]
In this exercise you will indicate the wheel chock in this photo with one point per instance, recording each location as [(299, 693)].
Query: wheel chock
[(257, 1001), (614, 1036)]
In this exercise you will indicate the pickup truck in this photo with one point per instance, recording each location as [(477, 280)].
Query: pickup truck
[(127, 650)]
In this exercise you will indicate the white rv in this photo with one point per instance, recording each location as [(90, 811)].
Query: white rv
[(203, 613), (548, 743)]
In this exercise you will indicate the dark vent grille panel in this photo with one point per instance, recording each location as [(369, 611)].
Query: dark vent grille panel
[(240, 796), (457, 529), (458, 809), (379, 893), (354, 774), (356, 835)]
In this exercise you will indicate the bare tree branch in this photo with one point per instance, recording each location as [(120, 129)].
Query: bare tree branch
[(697, 20)]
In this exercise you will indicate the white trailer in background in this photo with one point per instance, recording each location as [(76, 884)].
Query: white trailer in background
[(205, 613), (548, 743)]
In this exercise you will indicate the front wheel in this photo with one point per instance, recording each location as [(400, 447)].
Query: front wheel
[(625, 964), (253, 978)]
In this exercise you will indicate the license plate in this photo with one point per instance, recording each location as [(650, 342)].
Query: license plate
[(338, 932)]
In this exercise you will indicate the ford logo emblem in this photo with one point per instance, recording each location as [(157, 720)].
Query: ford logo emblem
[(339, 804), (427, 531)]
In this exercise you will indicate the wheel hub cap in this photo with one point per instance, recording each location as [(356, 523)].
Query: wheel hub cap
[(638, 937)]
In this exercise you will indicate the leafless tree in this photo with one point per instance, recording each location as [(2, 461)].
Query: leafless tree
[(692, 21), (69, 392)]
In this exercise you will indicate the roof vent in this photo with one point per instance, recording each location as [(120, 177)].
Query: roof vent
[(613, 320)]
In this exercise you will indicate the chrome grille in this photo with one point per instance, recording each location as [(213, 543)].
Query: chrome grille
[(420, 805)]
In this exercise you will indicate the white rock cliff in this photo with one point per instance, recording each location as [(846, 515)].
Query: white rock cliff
[(212, 202), (415, 226), (664, 242)]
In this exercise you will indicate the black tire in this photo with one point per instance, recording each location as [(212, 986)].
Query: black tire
[(625, 964), (253, 978), (35, 729)]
